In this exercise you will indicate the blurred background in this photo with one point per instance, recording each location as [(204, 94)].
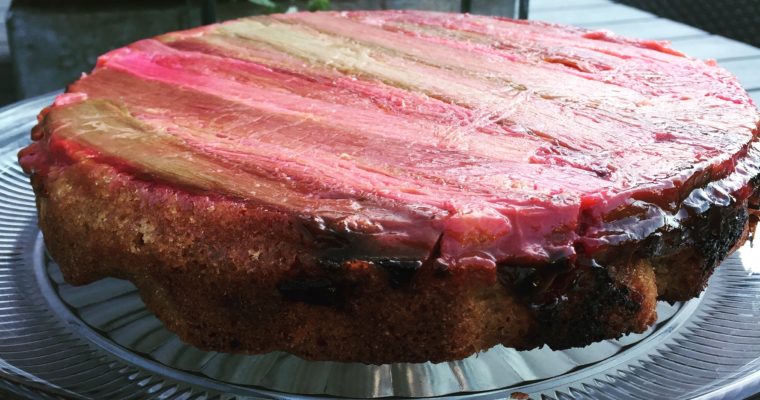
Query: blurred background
[(45, 44)]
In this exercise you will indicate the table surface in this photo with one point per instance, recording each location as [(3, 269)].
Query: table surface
[(741, 59)]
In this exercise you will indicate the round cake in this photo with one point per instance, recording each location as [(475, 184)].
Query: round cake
[(390, 186)]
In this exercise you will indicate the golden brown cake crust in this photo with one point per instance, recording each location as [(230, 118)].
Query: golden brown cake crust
[(210, 269)]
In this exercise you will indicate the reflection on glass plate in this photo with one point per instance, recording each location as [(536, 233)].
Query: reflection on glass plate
[(99, 340), (113, 308)]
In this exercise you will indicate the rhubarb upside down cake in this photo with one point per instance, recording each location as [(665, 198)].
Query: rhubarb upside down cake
[(385, 187)]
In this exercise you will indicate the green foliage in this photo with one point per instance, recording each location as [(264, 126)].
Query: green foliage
[(318, 5)]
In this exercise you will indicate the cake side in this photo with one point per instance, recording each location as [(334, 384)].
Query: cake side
[(228, 276)]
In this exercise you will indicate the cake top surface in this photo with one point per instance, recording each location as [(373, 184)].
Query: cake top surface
[(486, 137)]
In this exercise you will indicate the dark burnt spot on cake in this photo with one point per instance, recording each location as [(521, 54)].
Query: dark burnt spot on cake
[(323, 239), (440, 268), (315, 291), (329, 264), (522, 279), (712, 232), (400, 272), (331, 242), (434, 261), (559, 296), (575, 319), (538, 285), (717, 232), (754, 182)]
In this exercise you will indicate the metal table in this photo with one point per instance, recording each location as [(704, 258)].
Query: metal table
[(741, 59)]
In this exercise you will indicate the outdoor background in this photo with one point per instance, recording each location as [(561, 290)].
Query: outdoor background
[(55, 41)]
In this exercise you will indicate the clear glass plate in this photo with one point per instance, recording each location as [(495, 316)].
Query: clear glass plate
[(99, 341)]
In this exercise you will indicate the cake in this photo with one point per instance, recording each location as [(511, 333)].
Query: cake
[(391, 186)]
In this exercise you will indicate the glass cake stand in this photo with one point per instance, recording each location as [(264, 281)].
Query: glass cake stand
[(99, 341)]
